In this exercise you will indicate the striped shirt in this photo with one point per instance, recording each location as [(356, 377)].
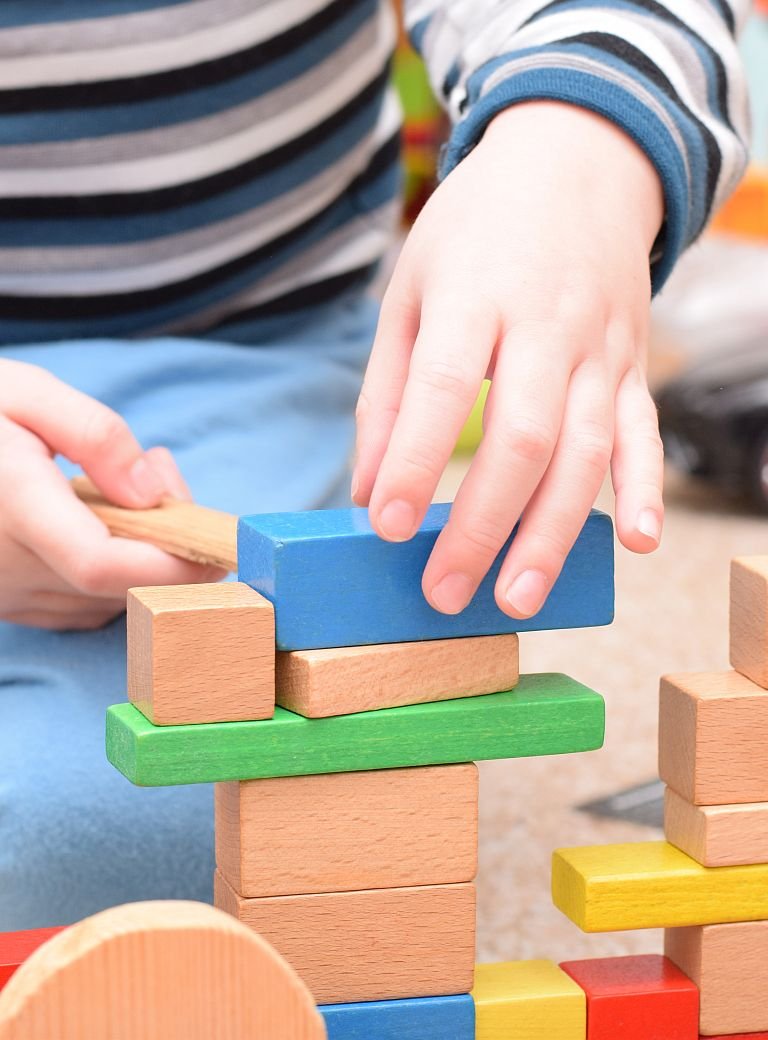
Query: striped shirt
[(197, 167)]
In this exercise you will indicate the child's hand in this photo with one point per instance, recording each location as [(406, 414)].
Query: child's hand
[(529, 263), (59, 566)]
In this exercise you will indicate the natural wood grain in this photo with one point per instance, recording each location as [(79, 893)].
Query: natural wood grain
[(729, 964), (527, 1000), (651, 884), (183, 529), (713, 732), (382, 829), (417, 1018), (644, 997), (16, 947), (717, 835), (544, 715), (201, 653), (378, 944), (157, 971), (341, 680), (749, 617)]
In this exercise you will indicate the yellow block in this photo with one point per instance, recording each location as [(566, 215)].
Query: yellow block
[(528, 1000), (607, 888)]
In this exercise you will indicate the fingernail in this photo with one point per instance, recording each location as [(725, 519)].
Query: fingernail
[(145, 480), (649, 524), (452, 593), (527, 593), (397, 520)]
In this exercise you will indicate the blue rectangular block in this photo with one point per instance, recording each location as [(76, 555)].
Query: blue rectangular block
[(422, 1018), (334, 582)]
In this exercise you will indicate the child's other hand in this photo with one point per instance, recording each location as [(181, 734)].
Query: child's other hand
[(529, 263), (59, 566)]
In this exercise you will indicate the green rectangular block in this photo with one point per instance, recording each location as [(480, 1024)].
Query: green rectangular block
[(545, 714)]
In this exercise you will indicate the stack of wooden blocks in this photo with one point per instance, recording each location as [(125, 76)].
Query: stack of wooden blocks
[(341, 719), (707, 885)]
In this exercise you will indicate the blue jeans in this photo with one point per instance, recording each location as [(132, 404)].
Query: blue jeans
[(254, 429)]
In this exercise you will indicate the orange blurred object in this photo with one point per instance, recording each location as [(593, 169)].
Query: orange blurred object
[(746, 212)]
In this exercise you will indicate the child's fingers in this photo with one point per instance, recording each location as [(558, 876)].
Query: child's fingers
[(556, 514), (448, 364), (638, 466), (164, 464), (529, 387)]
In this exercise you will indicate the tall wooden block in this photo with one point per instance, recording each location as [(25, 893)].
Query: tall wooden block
[(651, 884), (713, 731), (729, 964), (717, 835), (379, 944), (749, 618), (528, 1000), (343, 832), (420, 1018), (334, 582), (339, 681), (637, 998), (16, 947), (201, 653)]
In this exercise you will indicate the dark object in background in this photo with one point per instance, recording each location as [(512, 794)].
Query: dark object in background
[(714, 421)]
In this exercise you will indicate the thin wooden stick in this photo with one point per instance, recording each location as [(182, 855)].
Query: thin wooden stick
[(181, 528)]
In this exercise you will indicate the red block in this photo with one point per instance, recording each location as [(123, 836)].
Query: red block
[(637, 998), (15, 947)]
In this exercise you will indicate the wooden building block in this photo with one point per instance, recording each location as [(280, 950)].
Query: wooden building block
[(527, 1000), (713, 731), (717, 835), (341, 832), (420, 1018), (201, 653), (16, 947), (749, 618), (737, 1036), (644, 997), (729, 964), (157, 971), (544, 715), (342, 680), (651, 884), (378, 944), (334, 582)]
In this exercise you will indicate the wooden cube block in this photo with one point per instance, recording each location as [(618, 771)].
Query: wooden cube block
[(749, 617), (201, 653), (637, 998), (419, 1018), (343, 832), (342, 680), (16, 947), (378, 944), (528, 1000), (713, 732), (729, 964), (717, 835)]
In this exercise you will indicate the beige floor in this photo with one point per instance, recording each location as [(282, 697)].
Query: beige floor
[(671, 616)]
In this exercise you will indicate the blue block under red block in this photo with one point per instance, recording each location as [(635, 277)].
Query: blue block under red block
[(334, 582), (421, 1018)]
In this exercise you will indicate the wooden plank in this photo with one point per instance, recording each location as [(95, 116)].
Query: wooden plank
[(420, 1018), (717, 835), (378, 944), (527, 1000), (172, 970), (737, 1036), (749, 618), (182, 529), (201, 653), (16, 947), (383, 829), (729, 964), (334, 582), (544, 715), (342, 680), (713, 731), (644, 997), (651, 884)]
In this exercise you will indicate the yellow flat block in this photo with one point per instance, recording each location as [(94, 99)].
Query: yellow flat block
[(528, 1000), (607, 888)]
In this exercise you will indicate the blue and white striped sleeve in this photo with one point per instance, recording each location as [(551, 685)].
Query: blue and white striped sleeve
[(667, 71)]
